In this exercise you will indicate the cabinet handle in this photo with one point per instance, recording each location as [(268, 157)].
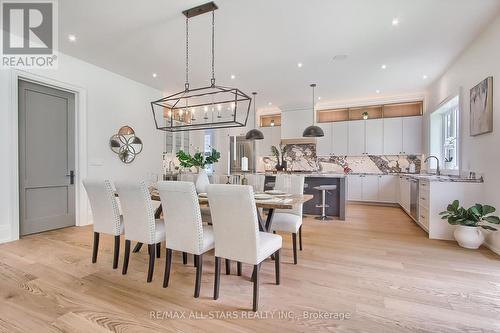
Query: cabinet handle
[(422, 199), (422, 217)]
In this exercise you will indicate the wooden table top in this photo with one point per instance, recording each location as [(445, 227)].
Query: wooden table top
[(277, 202)]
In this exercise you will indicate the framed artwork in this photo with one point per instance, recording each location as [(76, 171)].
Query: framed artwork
[(481, 108)]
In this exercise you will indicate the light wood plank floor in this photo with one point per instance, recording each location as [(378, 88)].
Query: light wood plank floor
[(377, 268)]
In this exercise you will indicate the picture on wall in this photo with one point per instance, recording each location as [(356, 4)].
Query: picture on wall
[(481, 108)]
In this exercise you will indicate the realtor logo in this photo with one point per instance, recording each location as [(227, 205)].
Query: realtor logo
[(29, 34)]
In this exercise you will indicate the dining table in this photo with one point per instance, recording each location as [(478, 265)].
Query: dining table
[(269, 202)]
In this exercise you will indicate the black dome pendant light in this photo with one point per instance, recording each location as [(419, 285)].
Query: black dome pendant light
[(313, 131), (254, 134)]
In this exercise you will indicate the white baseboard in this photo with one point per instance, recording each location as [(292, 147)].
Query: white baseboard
[(492, 247), (5, 234)]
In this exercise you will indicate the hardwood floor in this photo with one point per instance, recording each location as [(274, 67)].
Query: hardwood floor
[(377, 268)]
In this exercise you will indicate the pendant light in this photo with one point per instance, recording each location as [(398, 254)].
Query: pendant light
[(220, 106), (254, 134), (313, 131)]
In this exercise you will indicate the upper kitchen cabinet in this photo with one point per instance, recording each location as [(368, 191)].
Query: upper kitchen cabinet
[(272, 137), (324, 145), (393, 136), (412, 135), (340, 138), (293, 123), (356, 136), (374, 137)]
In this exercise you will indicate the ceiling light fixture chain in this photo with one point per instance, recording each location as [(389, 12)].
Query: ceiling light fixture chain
[(186, 85), (213, 49)]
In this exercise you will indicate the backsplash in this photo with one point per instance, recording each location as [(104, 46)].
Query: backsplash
[(302, 157)]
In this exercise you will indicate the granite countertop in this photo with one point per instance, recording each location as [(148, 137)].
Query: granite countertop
[(427, 177), (312, 174)]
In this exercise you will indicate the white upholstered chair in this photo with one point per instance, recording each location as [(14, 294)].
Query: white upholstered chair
[(289, 220), (105, 214), (139, 221), (237, 235), (184, 229)]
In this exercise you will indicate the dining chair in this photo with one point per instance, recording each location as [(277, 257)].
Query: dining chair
[(105, 215), (289, 220), (139, 221), (183, 225), (237, 235)]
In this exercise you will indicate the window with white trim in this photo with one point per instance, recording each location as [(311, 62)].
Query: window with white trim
[(445, 134)]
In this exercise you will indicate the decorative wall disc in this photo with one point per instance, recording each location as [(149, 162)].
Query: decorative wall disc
[(126, 144)]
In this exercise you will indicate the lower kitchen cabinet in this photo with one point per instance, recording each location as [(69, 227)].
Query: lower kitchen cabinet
[(372, 188)]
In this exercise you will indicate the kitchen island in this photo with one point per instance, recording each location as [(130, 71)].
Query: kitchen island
[(336, 200)]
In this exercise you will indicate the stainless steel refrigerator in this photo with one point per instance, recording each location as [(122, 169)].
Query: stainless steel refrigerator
[(240, 147)]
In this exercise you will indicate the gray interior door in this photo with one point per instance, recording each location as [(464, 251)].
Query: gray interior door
[(46, 158)]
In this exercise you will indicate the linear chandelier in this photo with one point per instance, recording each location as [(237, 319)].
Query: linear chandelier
[(209, 107)]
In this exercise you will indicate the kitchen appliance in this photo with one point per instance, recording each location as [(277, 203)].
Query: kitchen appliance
[(414, 198), (240, 147)]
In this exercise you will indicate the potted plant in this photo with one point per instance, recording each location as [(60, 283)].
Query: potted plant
[(365, 115), (279, 153), (468, 221), (199, 161)]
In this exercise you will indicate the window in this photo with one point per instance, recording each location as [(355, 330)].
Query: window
[(445, 134)]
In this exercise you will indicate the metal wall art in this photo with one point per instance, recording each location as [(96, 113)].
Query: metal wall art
[(126, 144)]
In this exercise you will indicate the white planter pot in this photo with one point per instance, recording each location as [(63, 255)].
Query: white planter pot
[(202, 181), (468, 237)]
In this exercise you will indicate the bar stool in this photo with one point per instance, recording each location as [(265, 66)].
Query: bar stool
[(323, 206)]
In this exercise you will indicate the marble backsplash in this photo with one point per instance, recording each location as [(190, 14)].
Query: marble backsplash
[(302, 157)]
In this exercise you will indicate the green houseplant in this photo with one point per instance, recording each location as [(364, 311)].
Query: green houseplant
[(468, 222), (199, 161), (279, 153)]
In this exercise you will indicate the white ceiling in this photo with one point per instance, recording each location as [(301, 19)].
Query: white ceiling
[(261, 42)]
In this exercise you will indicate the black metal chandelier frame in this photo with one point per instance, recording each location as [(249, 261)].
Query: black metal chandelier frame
[(174, 109)]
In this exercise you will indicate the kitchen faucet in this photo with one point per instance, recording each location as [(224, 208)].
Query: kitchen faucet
[(438, 171)]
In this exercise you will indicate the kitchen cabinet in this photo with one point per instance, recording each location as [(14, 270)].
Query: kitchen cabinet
[(374, 137), (272, 137), (369, 188), (340, 138), (404, 188), (356, 139), (354, 187), (388, 186), (324, 145), (293, 123), (412, 135), (393, 136)]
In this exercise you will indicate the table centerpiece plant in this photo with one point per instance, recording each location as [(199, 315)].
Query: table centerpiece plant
[(200, 162)]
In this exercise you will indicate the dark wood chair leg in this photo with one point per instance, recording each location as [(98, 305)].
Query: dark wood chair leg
[(195, 261), (199, 266), (126, 257), (137, 247), (116, 254), (300, 238), (168, 265), (95, 248), (277, 266), (256, 288), (158, 250), (217, 278), (294, 244), (238, 268), (151, 249), (228, 267), (184, 258)]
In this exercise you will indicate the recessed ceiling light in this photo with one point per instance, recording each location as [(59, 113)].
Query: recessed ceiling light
[(319, 98), (340, 57), (233, 76), (155, 75), (424, 77), (384, 66), (395, 21), (72, 38), (377, 91), (269, 103), (299, 65)]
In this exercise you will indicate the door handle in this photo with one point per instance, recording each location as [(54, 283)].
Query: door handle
[(71, 177)]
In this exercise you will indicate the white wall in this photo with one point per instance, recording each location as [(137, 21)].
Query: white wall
[(112, 101), (480, 154)]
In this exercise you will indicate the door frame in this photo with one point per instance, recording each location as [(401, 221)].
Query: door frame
[(81, 204)]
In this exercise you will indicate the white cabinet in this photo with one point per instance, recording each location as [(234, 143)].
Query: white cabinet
[(404, 188), (293, 123), (356, 138), (393, 136), (340, 138), (354, 187), (412, 135), (272, 137), (324, 145), (370, 188), (388, 187), (374, 137)]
